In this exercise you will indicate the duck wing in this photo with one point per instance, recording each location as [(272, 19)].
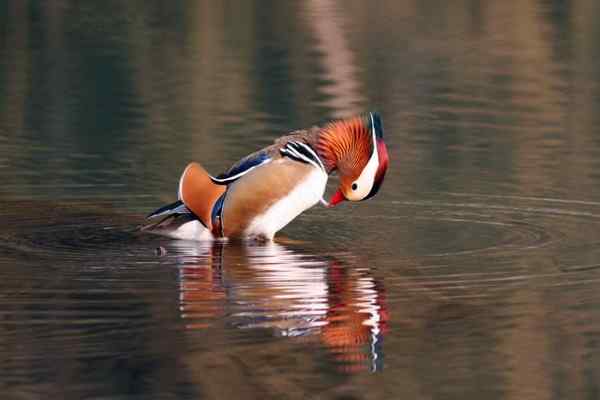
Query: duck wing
[(242, 167)]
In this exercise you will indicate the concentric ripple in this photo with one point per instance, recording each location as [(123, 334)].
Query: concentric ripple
[(83, 272), (81, 276), (462, 246)]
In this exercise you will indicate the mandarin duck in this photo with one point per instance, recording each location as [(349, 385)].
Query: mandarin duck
[(264, 191)]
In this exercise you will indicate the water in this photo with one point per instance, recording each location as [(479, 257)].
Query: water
[(472, 274)]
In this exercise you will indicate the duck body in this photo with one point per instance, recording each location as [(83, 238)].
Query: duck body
[(257, 196), (270, 197)]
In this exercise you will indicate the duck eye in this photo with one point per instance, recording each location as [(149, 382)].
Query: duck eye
[(354, 186)]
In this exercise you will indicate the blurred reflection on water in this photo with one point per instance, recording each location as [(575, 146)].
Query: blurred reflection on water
[(292, 294), (471, 275)]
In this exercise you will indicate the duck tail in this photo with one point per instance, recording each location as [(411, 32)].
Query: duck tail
[(174, 208), (197, 196)]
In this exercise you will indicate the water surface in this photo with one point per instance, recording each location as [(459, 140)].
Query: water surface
[(472, 274)]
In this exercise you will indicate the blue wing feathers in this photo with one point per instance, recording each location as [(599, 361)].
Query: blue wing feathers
[(242, 168)]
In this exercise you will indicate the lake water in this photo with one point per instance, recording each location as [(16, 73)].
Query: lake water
[(473, 273)]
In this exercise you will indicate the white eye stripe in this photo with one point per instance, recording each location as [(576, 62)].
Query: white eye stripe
[(374, 137), (366, 178)]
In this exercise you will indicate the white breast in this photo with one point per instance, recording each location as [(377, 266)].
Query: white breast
[(304, 196)]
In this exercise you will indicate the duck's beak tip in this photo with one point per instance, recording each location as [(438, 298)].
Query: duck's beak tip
[(337, 198)]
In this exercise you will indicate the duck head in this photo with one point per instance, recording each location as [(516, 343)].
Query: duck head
[(355, 148)]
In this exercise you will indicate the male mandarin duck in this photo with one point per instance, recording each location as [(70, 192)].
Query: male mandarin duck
[(264, 191)]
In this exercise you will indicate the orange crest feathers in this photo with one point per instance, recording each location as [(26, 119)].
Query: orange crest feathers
[(346, 145)]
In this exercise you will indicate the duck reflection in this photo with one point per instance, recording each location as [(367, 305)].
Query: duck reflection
[(293, 294)]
